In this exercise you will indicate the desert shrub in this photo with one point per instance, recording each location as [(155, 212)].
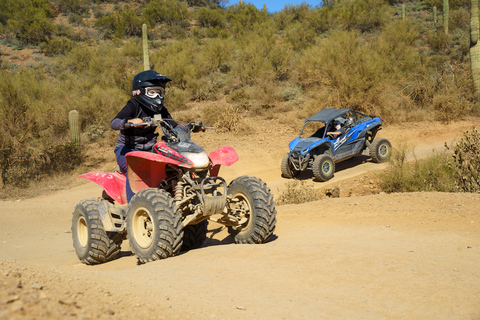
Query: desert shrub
[(300, 37), (225, 117), (56, 46), (244, 17), (298, 192), (73, 6), (280, 58), (171, 12), (251, 65), (211, 18), (33, 138), (434, 173), (291, 14), (449, 105), (348, 67), (176, 98), (217, 55), (362, 15), (466, 157), (121, 23), (30, 20), (437, 40)]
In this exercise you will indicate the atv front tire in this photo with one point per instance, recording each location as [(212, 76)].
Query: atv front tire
[(380, 150), (323, 167), (194, 236), (288, 171), (252, 203), (154, 225), (92, 243)]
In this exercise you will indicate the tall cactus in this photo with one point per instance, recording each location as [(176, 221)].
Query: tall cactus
[(475, 46), (403, 12), (445, 15), (434, 16), (146, 59), (74, 130)]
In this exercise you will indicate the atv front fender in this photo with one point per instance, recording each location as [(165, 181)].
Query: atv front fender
[(147, 169), (112, 183), (223, 156)]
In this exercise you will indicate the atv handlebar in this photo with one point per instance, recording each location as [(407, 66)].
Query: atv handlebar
[(168, 130)]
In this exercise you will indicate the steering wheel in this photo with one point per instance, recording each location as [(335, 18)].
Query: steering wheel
[(331, 136)]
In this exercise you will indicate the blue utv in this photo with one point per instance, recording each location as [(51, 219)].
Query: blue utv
[(317, 150)]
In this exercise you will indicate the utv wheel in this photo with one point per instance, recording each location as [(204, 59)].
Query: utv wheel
[(153, 225), (194, 236), (323, 167), (252, 203), (288, 171), (92, 243), (380, 150)]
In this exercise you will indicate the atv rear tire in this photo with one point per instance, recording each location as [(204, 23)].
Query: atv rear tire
[(288, 171), (92, 243), (380, 150), (194, 236), (323, 167), (253, 203), (154, 225)]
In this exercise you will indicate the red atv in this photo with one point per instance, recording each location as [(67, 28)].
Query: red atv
[(177, 190)]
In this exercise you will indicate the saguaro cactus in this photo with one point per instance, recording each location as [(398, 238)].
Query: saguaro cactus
[(435, 16), (146, 59), (445, 16), (475, 46), (403, 12), (74, 130)]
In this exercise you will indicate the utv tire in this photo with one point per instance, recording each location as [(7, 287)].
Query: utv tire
[(252, 202), (194, 236), (288, 171), (154, 225), (92, 243), (380, 150), (323, 167)]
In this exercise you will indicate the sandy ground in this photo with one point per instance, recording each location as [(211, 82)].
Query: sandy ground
[(380, 256)]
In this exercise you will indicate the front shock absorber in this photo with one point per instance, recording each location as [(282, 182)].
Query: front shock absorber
[(178, 192)]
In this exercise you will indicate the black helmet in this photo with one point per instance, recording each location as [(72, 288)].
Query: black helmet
[(149, 89)]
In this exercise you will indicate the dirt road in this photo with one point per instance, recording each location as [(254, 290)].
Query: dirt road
[(383, 256)]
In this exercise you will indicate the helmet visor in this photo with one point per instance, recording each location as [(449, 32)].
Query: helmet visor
[(154, 92)]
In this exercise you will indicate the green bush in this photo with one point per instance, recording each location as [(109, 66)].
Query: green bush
[(298, 192), (214, 18), (244, 17), (225, 117), (78, 7), (466, 157), (362, 15), (434, 173), (348, 67), (171, 12), (121, 23), (30, 20), (56, 46)]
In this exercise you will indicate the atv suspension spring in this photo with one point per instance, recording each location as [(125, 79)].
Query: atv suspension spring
[(178, 192)]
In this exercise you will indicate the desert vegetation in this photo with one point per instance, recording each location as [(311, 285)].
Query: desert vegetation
[(245, 61)]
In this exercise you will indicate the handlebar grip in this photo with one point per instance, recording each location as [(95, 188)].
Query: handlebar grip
[(132, 125)]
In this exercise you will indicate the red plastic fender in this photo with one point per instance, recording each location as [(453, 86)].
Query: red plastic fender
[(112, 183), (223, 156), (147, 169)]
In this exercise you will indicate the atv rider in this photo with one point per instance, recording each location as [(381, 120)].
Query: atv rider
[(339, 130), (148, 92)]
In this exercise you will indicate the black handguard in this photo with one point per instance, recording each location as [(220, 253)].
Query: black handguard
[(196, 126)]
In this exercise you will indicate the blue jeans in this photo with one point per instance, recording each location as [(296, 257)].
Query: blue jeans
[(120, 153)]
